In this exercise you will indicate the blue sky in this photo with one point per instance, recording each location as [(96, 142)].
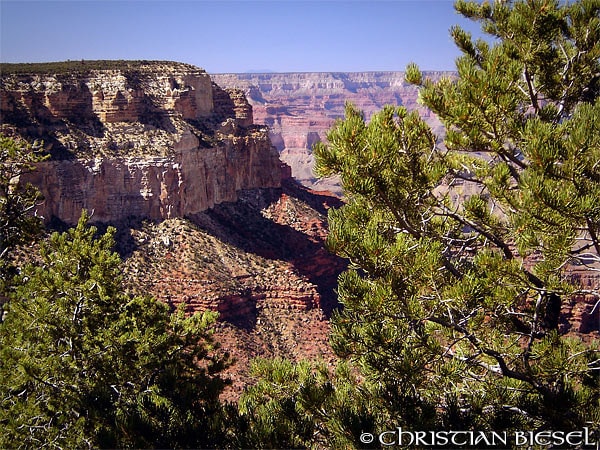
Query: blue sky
[(236, 36)]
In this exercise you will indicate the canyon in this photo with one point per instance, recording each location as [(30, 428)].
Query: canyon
[(208, 216), (299, 108), (208, 179)]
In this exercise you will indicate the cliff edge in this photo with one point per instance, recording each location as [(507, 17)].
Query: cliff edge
[(128, 139)]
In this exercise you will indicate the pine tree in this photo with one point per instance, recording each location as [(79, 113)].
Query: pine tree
[(301, 405), (459, 247), (458, 250), (17, 223), (84, 364)]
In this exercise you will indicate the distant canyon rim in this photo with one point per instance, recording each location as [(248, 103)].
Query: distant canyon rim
[(299, 108)]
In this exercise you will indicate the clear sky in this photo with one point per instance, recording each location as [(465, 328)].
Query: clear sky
[(236, 36)]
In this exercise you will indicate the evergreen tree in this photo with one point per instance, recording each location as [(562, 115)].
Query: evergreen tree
[(459, 249), (458, 252), (17, 223), (83, 364), (300, 405)]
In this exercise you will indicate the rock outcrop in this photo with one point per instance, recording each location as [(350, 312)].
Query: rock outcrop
[(229, 230), (259, 262), (264, 251), (580, 314), (154, 140), (299, 108)]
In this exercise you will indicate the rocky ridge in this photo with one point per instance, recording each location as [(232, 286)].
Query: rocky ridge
[(260, 262)]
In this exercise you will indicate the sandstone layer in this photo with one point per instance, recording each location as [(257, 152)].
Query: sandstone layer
[(154, 140), (299, 108)]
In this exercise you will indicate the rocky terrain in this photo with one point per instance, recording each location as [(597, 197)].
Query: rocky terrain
[(260, 262), (207, 214), (299, 108), (155, 141)]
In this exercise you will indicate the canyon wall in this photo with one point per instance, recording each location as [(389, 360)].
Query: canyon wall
[(154, 140), (189, 181), (230, 232), (299, 108), (163, 141)]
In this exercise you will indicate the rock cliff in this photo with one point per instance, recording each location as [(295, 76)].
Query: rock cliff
[(148, 139), (207, 215), (299, 108)]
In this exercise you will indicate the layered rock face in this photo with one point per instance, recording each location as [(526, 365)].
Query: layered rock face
[(229, 230), (260, 262), (189, 181), (581, 313), (263, 251), (156, 140), (299, 108)]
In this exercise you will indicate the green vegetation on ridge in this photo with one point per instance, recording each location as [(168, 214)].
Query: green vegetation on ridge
[(80, 67)]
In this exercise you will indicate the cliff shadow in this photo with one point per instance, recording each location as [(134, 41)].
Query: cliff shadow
[(242, 225), (224, 106)]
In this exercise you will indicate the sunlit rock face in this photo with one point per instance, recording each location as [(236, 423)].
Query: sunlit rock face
[(299, 108), (189, 181), (155, 140)]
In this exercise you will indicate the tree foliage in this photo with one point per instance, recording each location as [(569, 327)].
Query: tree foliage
[(17, 223), (459, 250), (84, 364), (300, 405)]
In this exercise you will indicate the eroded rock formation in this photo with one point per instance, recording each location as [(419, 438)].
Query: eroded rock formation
[(156, 140), (207, 214), (299, 108), (260, 262)]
